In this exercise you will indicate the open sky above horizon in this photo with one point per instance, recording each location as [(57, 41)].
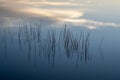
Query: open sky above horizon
[(87, 13)]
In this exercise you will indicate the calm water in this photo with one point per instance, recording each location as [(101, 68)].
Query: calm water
[(64, 53), (59, 40)]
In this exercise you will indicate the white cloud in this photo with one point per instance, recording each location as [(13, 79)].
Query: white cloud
[(48, 11), (44, 8), (24, 8), (90, 24)]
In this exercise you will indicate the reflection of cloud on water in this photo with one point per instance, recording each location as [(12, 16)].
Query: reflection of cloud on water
[(34, 8), (48, 12), (91, 24), (45, 11)]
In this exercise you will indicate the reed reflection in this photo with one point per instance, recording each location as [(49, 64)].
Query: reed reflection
[(32, 38)]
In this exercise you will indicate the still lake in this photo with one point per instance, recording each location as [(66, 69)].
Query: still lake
[(59, 53), (58, 40)]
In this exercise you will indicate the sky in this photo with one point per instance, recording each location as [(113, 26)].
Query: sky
[(87, 13)]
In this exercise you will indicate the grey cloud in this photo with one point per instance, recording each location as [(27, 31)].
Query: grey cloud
[(9, 14)]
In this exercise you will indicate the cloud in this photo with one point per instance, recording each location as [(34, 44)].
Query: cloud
[(90, 24), (26, 9), (9, 15), (38, 3), (48, 12), (55, 13)]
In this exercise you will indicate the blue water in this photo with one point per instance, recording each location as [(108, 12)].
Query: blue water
[(27, 59), (59, 40)]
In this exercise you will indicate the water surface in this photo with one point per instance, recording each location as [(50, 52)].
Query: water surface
[(59, 40)]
